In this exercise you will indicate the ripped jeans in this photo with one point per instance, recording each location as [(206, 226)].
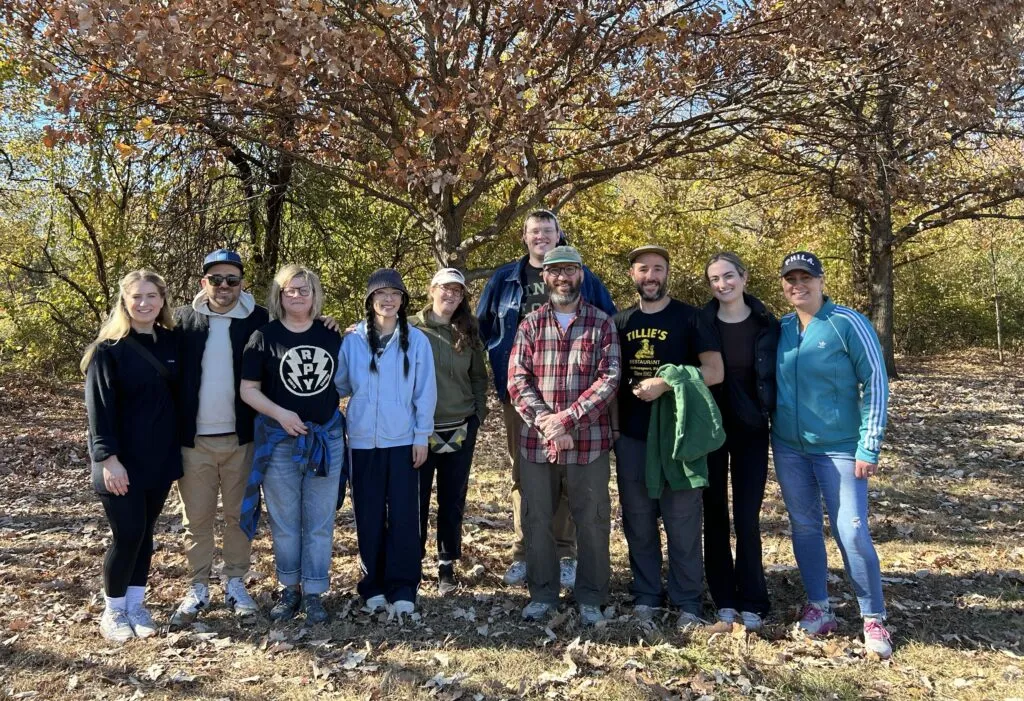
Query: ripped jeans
[(807, 479)]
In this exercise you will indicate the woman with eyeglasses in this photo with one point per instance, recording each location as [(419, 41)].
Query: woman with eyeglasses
[(461, 376), (387, 369), (131, 373), (288, 371), (827, 431)]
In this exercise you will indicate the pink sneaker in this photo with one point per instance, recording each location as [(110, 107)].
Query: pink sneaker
[(876, 638), (814, 621)]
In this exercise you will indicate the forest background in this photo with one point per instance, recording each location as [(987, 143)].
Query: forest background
[(885, 136)]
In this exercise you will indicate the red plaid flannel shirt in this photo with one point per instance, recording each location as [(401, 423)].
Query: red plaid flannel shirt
[(574, 373)]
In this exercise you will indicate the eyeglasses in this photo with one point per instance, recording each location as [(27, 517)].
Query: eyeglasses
[(296, 291), (232, 280), (386, 294), (562, 270), (453, 289)]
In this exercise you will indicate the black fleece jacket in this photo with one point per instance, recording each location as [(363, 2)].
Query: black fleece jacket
[(132, 410), (752, 412)]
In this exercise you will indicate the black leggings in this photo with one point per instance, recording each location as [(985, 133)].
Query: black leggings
[(132, 518)]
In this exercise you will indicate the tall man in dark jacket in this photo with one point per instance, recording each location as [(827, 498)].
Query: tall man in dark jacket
[(515, 290), (216, 429)]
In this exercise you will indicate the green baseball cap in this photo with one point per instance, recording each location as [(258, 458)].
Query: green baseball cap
[(562, 254)]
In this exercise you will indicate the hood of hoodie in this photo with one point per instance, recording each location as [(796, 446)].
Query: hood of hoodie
[(241, 310)]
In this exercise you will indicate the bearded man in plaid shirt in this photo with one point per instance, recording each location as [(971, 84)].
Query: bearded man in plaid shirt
[(563, 374)]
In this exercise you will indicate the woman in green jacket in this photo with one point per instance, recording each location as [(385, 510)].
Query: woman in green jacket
[(461, 375)]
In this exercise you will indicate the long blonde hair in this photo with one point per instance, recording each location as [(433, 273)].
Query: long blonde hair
[(281, 280), (118, 323)]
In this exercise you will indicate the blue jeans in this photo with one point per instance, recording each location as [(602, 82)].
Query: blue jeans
[(806, 479), (301, 507)]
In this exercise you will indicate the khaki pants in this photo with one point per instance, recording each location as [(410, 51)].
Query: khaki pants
[(545, 486), (562, 525), (216, 464)]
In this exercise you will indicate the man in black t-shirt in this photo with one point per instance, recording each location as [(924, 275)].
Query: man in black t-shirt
[(657, 331)]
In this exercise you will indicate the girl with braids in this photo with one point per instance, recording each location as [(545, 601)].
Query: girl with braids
[(461, 375), (387, 369)]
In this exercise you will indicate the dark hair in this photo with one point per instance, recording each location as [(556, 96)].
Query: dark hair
[(465, 325), (728, 257), (374, 338), (547, 215)]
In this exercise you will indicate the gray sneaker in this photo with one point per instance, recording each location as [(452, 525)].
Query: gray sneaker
[(536, 610), (141, 621), (689, 621), (516, 573), (237, 598), (197, 598), (643, 612), (567, 572), (728, 615), (115, 626), (751, 621), (590, 614)]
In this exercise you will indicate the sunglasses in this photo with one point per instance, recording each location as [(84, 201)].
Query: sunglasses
[(216, 280)]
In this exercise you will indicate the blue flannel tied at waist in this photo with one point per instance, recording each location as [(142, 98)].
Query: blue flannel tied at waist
[(311, 451)]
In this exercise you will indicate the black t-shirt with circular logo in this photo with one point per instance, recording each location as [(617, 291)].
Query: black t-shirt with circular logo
[(295, 370), (673, 336)]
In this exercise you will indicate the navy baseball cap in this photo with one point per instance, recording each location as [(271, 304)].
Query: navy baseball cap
[(223, 255), (801, 260)]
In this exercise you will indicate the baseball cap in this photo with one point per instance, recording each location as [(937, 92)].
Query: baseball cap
[(637, 252), (222, 255), (447, 275), (802, 260), (562, 254)]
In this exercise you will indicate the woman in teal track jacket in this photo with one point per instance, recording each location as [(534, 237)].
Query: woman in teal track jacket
[(827, 430)]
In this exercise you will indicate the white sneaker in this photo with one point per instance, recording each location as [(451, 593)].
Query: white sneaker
[(644, 612), (237, 598), (516, 573), (567, 572), (689, 621), (115, 626), (376, 603), (728, 615), (536, 610), (197, 598), (751, 621), (404, 607), (590, 614), (141, 621)]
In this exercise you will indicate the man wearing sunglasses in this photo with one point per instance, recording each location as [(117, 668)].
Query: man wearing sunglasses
[(217, 430)]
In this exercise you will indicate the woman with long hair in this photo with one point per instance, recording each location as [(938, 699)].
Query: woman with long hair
[(827, 432), (748, 334), (461, 376), (130, 373), (387, 369), (287, 376)]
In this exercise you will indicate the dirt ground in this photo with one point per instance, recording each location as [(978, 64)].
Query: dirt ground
[(946, 516)]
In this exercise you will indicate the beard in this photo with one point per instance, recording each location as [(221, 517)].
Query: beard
[(658, 294), (567, 298)]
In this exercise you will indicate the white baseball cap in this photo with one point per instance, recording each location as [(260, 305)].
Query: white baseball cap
[(447, 275)]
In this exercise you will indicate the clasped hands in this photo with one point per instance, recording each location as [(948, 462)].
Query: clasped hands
[(550, 426)]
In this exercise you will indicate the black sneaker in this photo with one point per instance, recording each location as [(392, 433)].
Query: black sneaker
[(287, 605), (314, 609), (446, 581)]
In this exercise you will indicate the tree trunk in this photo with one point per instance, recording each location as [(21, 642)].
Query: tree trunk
[(882, 300), (279, 179), (860, 259)]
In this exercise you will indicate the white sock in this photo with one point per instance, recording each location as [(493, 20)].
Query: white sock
[(823, 605), (444, 562), (135, 596), (115, 603)]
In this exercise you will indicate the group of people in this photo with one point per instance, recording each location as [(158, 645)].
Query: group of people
[(241, 403)]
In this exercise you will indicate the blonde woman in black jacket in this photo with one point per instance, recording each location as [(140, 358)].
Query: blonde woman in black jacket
[(748, 334)]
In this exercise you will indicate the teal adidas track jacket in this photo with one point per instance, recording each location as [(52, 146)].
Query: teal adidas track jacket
[(833, 391)]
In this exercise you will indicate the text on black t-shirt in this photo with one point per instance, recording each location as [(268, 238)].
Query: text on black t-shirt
[(535, 294)]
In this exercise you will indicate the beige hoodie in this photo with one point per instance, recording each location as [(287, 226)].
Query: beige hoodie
[(217, 387)]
